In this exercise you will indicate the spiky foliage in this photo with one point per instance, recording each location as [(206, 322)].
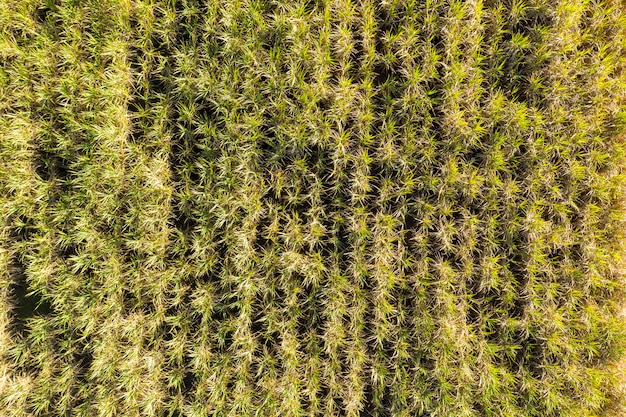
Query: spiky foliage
[(307, 208)]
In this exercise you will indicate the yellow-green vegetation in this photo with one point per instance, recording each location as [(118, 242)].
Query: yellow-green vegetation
[(311, 208)]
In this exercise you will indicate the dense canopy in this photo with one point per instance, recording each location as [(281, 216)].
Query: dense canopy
[(311, 208)]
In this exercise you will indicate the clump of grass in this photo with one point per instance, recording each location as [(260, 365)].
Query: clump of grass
[(293, 208)]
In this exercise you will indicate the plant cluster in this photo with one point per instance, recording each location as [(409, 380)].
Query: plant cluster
[(311, 208)]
